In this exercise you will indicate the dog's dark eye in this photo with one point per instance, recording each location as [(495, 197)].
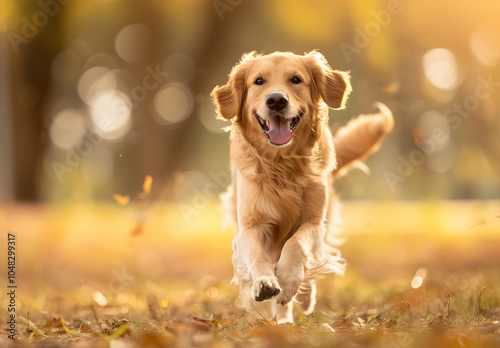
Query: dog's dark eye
[(259, 81), (296, 80)]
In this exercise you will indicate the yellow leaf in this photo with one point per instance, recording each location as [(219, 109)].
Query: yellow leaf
[(163, 303), (68, 331), (123, 200), (146, 186), (119, 331)]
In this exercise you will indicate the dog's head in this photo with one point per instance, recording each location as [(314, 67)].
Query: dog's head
[(276, 98)]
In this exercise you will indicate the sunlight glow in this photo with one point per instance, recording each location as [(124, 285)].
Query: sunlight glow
[(122, 298), (110, 112), (440, 68), (94, 81), (67, 128), (442, 161), (164, 303), (133, 42), (99, 298), (208, 117), (485, 47), (417, 282), (419, 277), (421, 272), (174, 103), (435, 131), (213, 292), (434, 139)]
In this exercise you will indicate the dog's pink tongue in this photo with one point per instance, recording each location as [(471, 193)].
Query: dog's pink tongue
[(279, 131)]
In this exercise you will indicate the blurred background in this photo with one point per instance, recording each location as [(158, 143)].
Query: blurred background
[(97, 94), (112, 159)]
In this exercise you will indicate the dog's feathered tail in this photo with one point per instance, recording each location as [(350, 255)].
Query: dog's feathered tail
[(361, 137)]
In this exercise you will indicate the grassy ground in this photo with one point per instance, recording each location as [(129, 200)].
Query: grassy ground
[(419, 275)]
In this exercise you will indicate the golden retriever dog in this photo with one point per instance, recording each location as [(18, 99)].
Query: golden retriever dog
[(283, 160)]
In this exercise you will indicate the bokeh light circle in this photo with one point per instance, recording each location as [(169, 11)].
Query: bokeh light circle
[(133, 42), (485, 47), (67, 128), (93, 81), (434, 130), (440, 68), (110, 112), (173, 103)]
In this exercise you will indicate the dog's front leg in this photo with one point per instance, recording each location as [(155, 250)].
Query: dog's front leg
[(251, 257), (304, 243), (291, 265)]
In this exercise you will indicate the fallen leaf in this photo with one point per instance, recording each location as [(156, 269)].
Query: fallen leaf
[(280, 332), (154, 340), (121, 331), (33, 329), (54, 323), (200, 324), (85, 329), (391, 88), (389, 324), (68, 331), (344, 324), (137, 230), (122, 200), (146, 187)]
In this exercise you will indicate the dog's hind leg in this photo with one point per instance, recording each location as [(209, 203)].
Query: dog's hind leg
[(307, 297), (283, 314)]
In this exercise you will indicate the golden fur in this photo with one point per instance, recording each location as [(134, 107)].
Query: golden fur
[(279, 196)]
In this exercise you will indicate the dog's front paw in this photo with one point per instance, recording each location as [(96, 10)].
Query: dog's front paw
[(290, 289), (265, 288), (289, 280)]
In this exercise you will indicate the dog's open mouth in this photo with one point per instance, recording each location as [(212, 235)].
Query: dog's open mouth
[(279, 129)]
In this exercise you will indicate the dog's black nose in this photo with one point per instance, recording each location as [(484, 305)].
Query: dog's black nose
[(276, 101)]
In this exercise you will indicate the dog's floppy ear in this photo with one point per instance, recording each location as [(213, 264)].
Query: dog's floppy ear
[(229, 98), (333, 85)]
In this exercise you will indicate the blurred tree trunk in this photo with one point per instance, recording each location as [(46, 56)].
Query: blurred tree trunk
[(164, 150), (6, 177), (31, 67)]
